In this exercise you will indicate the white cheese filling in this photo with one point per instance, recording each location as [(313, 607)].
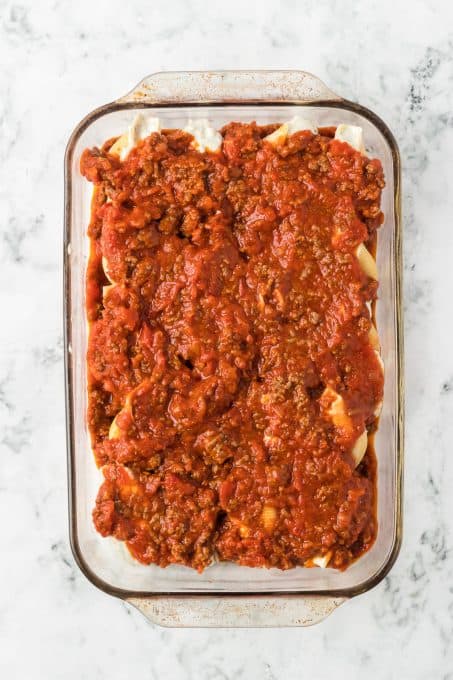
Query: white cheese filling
[(206, 138), (115, 431), (322, 560), (341, 419), (140, 128), (367, 261), (296, 124), (352, 134)]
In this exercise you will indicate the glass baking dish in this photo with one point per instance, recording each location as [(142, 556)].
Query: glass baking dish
[(227, 594)]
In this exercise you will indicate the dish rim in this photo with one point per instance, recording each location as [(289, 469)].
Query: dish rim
[(125, 594)]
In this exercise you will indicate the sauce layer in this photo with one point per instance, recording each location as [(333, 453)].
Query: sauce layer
[(230, 362)]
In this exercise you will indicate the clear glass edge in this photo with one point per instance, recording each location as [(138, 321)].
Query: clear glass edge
[(375, 578)]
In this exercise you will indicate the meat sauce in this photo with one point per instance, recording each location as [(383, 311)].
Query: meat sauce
[(223, 297)]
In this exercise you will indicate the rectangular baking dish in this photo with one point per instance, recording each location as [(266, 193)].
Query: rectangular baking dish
[(227, 594)]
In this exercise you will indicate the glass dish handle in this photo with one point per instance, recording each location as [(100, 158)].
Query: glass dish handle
[(236, 611), (195, 87)]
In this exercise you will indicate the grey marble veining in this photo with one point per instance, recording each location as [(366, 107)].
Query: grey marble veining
[(59, 60)]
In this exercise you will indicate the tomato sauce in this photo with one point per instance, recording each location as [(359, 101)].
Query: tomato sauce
[(223, 297)]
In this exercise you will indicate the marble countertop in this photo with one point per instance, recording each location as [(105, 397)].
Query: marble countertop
[(58, 61)]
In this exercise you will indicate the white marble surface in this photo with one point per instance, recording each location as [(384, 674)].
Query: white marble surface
[(59, 60)]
